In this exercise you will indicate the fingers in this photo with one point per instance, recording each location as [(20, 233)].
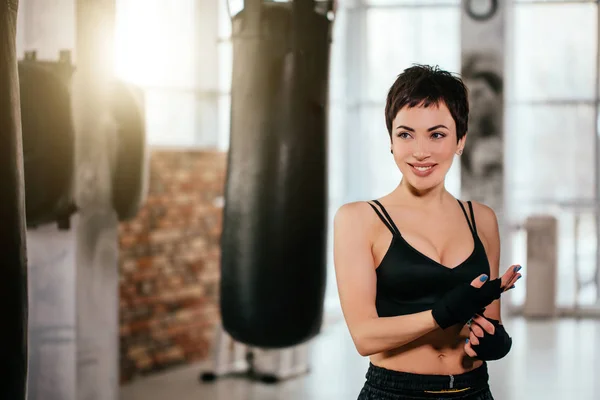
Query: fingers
[(479, 281), (469, 350), (473, 339), (511, 285), (510, 276), (480, 325), (508, 279), (476, 330)]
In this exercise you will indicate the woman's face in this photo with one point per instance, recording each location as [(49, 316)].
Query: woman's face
[(424, 144)]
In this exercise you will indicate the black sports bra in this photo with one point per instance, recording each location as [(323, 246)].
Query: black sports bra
[(409, 282)]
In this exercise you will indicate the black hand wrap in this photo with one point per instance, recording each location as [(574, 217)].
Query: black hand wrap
[(493, 347), (461, 303)]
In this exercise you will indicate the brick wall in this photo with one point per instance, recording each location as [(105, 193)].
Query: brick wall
[(169, 264)]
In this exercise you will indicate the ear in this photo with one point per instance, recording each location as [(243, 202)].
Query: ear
[(460, 146)]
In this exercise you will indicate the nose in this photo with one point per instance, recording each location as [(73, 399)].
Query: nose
[(421, 150)]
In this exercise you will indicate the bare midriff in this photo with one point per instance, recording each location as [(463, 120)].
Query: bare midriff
[(440, 352)]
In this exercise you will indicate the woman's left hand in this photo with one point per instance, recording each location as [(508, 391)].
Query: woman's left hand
[(479, 327)]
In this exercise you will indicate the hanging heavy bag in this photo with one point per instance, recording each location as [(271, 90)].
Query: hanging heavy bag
[(13, 285), (48, 140), (273, 263), (130, 175)]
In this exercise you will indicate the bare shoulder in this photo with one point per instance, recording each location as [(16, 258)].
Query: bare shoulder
[(487, 223), (484, 215), (354, 215)]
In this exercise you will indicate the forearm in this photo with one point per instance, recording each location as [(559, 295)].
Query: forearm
[(387, 333)]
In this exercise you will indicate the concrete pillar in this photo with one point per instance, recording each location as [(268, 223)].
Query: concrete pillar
[(51, 257), (542, 264), (482, 49), (96, 222), (47, 28)]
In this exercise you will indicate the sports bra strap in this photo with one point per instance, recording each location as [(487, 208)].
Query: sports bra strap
[(472, 226), (472, 216), (382, 218), (387, 220)]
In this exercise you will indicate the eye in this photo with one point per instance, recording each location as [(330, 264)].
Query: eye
[(438, 135), (404, 135)]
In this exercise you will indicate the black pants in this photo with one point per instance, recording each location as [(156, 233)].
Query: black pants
[(384, 384)]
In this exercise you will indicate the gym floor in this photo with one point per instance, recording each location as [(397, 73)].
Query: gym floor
[(550, 360)]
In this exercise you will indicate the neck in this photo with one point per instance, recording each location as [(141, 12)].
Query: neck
[(432, 197)]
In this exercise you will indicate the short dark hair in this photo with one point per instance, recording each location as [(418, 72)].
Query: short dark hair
[(426, 85)]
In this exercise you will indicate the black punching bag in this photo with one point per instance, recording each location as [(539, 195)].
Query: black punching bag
[(273, 263), (48, 140), (131, 167), (13, 286)]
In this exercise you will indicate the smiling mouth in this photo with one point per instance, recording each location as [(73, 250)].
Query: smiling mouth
[(422, 168)]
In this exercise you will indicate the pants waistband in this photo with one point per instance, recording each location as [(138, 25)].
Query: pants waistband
[(405, 381)]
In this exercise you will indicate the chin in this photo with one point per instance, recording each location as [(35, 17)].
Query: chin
[(424, 184)]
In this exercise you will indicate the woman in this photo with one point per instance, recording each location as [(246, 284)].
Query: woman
[(418, 270)]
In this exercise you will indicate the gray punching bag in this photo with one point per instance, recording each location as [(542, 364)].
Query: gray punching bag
[(48, 140), (13, 285), (273, 263)]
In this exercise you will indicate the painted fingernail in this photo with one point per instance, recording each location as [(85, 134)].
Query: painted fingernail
[(517, 268), (512, 287), (519, 277), (483, 278), (467, 341)]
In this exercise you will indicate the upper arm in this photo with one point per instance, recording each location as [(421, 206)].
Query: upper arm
[(354, 265), (487, 228)]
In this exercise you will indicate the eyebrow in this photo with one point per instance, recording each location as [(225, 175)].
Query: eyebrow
[(428, 130)]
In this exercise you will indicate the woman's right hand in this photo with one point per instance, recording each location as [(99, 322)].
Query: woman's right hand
[(463, 301)]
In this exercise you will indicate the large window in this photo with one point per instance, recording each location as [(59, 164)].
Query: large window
[(372, 44), (550, 113), (162, 47), (396, 39), (549, 137)]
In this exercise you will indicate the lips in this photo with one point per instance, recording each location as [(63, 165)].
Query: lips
[(422, 170)]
